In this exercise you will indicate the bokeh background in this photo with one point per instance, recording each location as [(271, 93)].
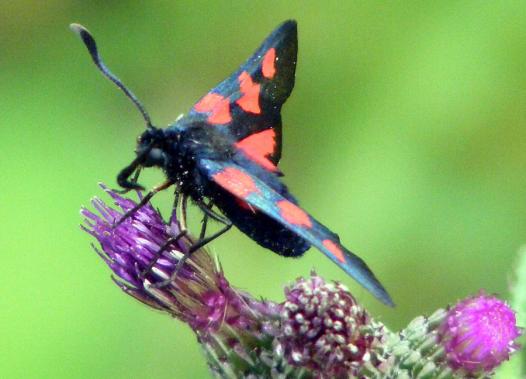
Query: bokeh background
[(406, 134)]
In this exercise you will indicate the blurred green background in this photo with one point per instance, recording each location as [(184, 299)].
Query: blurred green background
[(406, 134)]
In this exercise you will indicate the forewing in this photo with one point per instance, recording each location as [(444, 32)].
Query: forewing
[(247, 104), (256, 193)]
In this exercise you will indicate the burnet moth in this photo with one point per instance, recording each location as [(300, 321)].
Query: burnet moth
[(224, 156)]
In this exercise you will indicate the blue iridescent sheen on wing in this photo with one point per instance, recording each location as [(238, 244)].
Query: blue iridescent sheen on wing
[(263, 198)]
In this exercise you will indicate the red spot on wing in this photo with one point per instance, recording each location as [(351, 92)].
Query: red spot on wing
[(249, 101), (335, 250), (268, 65), (221, 113), (218, 107), (259, 146), (236, 182), (208, 102), (293, 214)]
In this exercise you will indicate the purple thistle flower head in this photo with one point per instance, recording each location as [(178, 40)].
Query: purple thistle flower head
[(478, 334), (323, 329), (199, 295), (235, 330)]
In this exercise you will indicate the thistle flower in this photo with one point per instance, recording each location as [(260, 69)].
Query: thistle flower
[(233, 328), (318, 332), (324, 329), (199, 295), (467, 341), (478, 334)]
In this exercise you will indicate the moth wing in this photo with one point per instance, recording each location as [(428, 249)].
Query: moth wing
[(247, 104), (250, 189)]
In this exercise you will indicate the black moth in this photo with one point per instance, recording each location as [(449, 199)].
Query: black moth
[(224, 154)]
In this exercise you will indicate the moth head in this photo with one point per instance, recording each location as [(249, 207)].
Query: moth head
[(150, 148)]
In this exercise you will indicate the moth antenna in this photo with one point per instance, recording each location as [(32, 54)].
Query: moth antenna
[(91, 45)]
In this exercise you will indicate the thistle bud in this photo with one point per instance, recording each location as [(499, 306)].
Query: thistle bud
[(324, 330)]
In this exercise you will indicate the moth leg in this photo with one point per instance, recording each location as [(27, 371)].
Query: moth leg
[(205, 220), (144, 201), (200, 243), (203, 241), (209, 213), (183, 204), (159, 252), (175, 206), (135, 178), (180, 203)]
